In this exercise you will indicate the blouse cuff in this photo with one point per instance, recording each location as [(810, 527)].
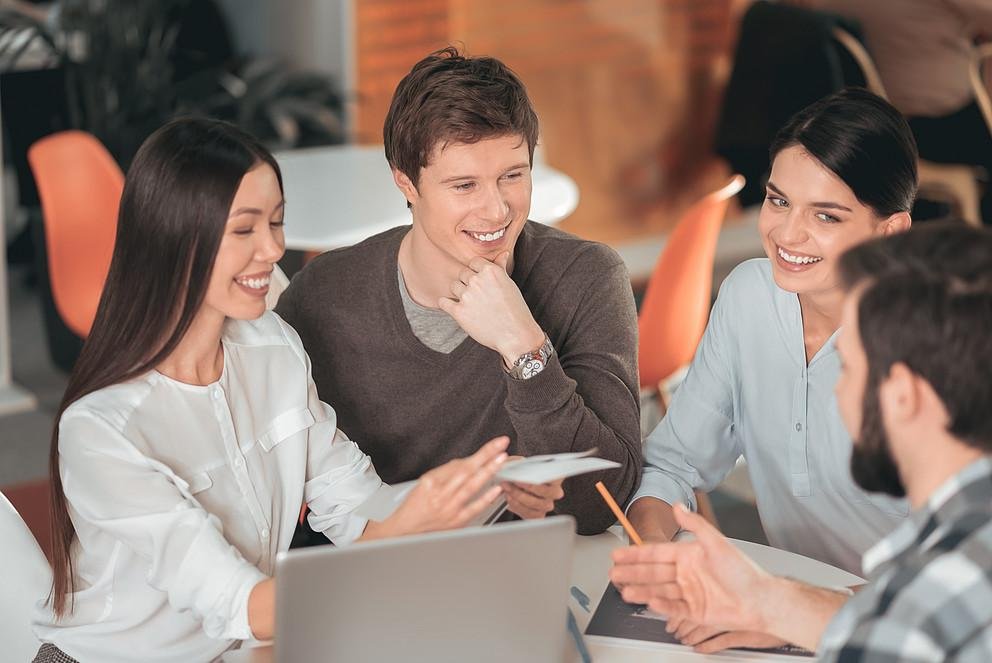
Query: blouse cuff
[(333, 501), (217, 583), (238, 628), (341, 532), (656, 484)]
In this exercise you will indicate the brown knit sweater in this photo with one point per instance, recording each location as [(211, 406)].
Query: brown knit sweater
[(411, 408)]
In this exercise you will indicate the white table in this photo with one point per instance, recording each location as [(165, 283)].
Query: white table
[(589, 573), (342, 194)]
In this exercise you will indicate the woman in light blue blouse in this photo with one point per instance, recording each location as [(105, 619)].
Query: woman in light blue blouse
[(761, 383)]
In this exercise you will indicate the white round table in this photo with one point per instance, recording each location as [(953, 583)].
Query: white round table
[(590, 566)]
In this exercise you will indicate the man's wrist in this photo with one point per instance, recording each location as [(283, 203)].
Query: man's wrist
[(527, 341), (767, 601), (795, 611)]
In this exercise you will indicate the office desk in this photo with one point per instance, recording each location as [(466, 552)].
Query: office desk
[(589, 573), (342, 194)]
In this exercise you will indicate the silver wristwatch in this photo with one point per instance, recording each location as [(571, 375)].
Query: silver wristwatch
[(531, 363)]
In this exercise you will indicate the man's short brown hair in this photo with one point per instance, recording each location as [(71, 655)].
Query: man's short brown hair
[(447, 98), (927, 303)]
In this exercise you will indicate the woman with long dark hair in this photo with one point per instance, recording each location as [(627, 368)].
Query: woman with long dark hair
[(191, 431), (761, 383)]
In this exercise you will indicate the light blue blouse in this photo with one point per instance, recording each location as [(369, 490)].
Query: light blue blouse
[(749, 392)]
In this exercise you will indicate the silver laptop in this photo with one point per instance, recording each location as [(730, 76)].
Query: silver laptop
[(480, 594)]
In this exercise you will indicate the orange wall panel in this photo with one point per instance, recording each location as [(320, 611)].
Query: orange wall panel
[(627, 90)]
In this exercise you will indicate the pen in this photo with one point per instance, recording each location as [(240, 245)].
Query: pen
[(612, 503), (580, 598), (580, 643)]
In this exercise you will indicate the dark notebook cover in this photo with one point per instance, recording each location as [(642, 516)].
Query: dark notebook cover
[(616, 619)]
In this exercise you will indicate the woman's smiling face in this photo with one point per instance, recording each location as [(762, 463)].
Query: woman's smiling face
[(251, 245), (809, 218)]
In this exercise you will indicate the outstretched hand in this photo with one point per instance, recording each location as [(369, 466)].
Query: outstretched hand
[(707, 581)]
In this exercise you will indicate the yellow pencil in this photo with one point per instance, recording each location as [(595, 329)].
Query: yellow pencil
[(612, 503)]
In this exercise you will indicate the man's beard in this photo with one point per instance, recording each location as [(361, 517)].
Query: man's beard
[(872, 465)]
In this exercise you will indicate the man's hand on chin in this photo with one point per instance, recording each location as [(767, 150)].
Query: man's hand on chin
[(487, 304)]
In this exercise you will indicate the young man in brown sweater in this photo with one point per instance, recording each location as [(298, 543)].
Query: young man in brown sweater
[(475, 322)]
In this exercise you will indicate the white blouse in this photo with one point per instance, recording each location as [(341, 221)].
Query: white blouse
[(182, 496)]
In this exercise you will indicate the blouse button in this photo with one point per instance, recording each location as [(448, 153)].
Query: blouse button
[(215, 392), (265, 534), (799, 426), (239, 463)]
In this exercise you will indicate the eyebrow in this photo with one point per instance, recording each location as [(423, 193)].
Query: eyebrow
[(458, 178), (254, 210), (823, 205)]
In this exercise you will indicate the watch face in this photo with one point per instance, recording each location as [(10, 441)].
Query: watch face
[(532, 367)]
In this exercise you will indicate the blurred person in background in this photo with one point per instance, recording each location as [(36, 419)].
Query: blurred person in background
[(922, 49)]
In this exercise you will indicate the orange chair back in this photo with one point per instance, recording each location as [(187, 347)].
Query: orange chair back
[(80, 187), (677, 300)]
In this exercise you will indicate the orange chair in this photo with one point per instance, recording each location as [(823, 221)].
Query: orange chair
[(677, 300), (80, 187)]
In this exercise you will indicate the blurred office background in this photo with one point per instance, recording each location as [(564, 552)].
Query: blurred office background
[(647, 105)]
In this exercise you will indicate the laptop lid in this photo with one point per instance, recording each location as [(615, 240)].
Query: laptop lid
[(479, 594)]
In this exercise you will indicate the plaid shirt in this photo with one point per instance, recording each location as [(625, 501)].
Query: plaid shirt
[(930, 596)]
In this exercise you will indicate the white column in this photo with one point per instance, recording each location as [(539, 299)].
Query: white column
[(12, 397)]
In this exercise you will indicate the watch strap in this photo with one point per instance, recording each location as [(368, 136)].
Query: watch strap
[(531, 363)]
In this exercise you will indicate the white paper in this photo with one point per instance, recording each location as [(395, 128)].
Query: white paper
[(546, 457), (551, 470), (535, 469)]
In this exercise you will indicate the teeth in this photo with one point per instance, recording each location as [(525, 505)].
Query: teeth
[(254, 284), (797, 260), (489, 237)]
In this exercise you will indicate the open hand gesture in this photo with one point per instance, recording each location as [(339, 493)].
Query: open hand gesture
[(707, 581)]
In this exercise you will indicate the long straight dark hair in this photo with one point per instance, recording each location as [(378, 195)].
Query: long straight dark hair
[(175, 204)]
